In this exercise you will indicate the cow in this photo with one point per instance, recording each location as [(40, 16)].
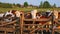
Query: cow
[(33, 13), (1, 16), (28, 15), (38, 15), (49, 13), (11, 14), (55, 14), (46, 14)]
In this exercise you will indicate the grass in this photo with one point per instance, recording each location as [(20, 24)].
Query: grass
[(7, 9), (25, 9)]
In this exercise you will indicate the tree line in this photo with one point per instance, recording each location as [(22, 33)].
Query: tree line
[(44, 4), (8, 5)]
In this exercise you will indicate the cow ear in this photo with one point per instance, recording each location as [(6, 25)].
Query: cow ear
[(9, 11)]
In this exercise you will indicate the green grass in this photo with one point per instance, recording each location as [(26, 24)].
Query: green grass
[(25, 9), (7, 9)]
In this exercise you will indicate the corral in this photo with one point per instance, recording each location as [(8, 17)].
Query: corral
[(25, 24)]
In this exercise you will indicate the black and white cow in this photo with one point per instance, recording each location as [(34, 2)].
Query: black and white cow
[(11, 15)]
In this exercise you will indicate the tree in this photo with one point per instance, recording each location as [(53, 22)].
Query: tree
[(41, 5), (54, 5), (6, 5), (0, 2), (25, 4), (18, 5), (46, 4)]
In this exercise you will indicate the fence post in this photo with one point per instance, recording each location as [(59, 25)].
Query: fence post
[(21, 22), (52, 22)]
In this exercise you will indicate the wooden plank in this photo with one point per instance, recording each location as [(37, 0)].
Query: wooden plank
[(7, 29), (38, 19), (9, 23), (57, 21)]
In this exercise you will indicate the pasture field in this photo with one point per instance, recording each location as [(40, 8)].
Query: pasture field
[(25, 9)]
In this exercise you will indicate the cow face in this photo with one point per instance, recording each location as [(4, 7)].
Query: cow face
[(28, 15), (9, 14), (34, 14)]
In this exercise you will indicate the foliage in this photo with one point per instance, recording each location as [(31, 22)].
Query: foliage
[(8, 5), (46, 4), (25, 4), (5, 5), (41, 5), (54, 5), (18, 5)]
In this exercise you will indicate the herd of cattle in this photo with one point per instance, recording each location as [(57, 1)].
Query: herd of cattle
[(14, 14)]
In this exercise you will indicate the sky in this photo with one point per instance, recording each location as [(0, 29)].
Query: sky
[(32, 2)]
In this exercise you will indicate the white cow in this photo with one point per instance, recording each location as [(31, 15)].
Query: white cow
[(2, 14), (56, 14), (34, 14), (17, 14)]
